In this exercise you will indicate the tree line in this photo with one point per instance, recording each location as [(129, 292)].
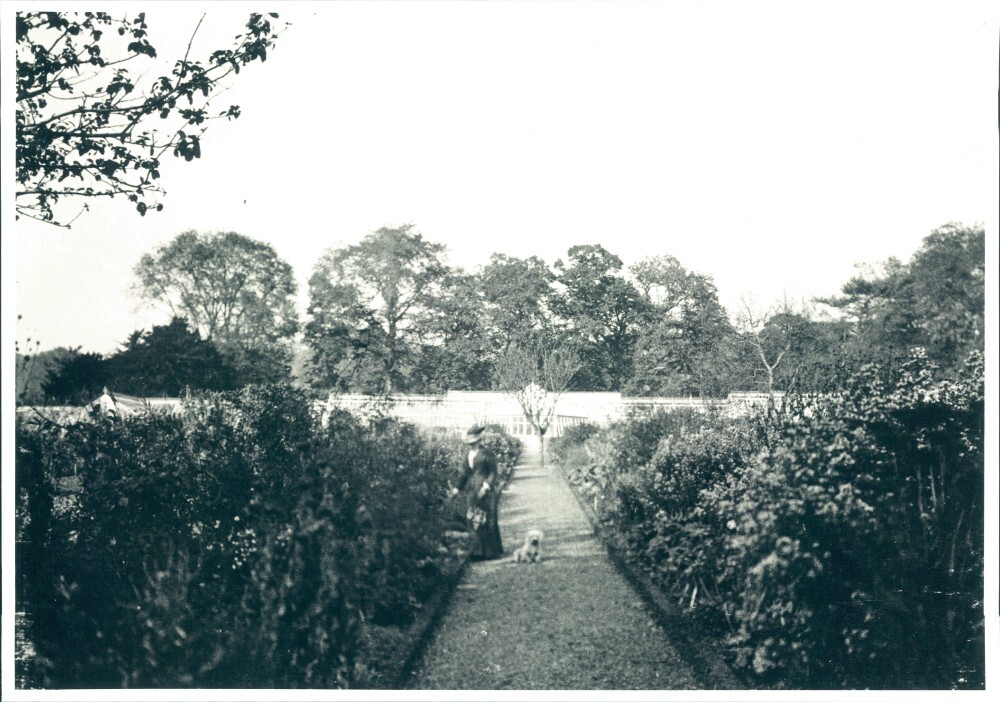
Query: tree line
[(96, 114), (390, 315)]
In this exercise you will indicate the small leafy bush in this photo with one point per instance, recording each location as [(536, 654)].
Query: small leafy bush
[(572, 437), (505, 447), (657, 511), (623, 445)]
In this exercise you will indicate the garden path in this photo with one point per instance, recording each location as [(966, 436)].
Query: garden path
[(570, 622)]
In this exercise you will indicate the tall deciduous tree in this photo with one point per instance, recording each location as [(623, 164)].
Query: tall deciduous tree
[(96, 113), (820, 358), (786, 347), (683, 350), (454, 349), (365, 303), (603, 312), (771, 337), (517, 294), (234, 290)]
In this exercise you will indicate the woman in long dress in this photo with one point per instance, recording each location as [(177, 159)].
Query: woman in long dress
[(479, 483)]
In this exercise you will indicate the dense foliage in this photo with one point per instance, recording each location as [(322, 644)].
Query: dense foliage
[(389, 315), (682, 348), (936, 300), (74, 379), (838, 539), (33, 367), (237, 544), (165, 361), (235, 291), (604, 310), (505, 447), (367, 303)]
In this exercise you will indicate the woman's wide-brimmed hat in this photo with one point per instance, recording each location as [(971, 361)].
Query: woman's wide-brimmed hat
[(474, 434)]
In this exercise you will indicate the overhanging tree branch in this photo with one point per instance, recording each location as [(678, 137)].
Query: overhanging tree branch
[(106, 118)]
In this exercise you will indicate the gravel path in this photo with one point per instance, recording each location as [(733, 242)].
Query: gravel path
[(570, 622)]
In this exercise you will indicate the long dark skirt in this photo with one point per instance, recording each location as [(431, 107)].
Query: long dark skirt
[(486, 542)]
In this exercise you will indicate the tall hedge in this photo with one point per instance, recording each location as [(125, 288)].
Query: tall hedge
[(836, 542), (238, 544)]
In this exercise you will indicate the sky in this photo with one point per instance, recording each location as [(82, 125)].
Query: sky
[(770, 145)]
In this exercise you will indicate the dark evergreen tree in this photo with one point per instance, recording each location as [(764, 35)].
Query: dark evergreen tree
[(78, 379), (166, 361)]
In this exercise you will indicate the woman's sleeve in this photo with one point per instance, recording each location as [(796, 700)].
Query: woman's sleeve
[(491, 471), (466, 472)]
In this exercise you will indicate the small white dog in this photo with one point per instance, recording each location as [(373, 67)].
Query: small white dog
[(530, 552)]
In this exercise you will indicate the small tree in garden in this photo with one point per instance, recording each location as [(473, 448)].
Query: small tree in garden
[(772, 336), (536, 377)]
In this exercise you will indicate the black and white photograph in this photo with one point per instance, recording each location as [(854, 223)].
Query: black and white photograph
[(464, 349)]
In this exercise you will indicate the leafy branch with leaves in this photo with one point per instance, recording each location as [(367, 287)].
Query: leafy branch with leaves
[(86, 107)]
